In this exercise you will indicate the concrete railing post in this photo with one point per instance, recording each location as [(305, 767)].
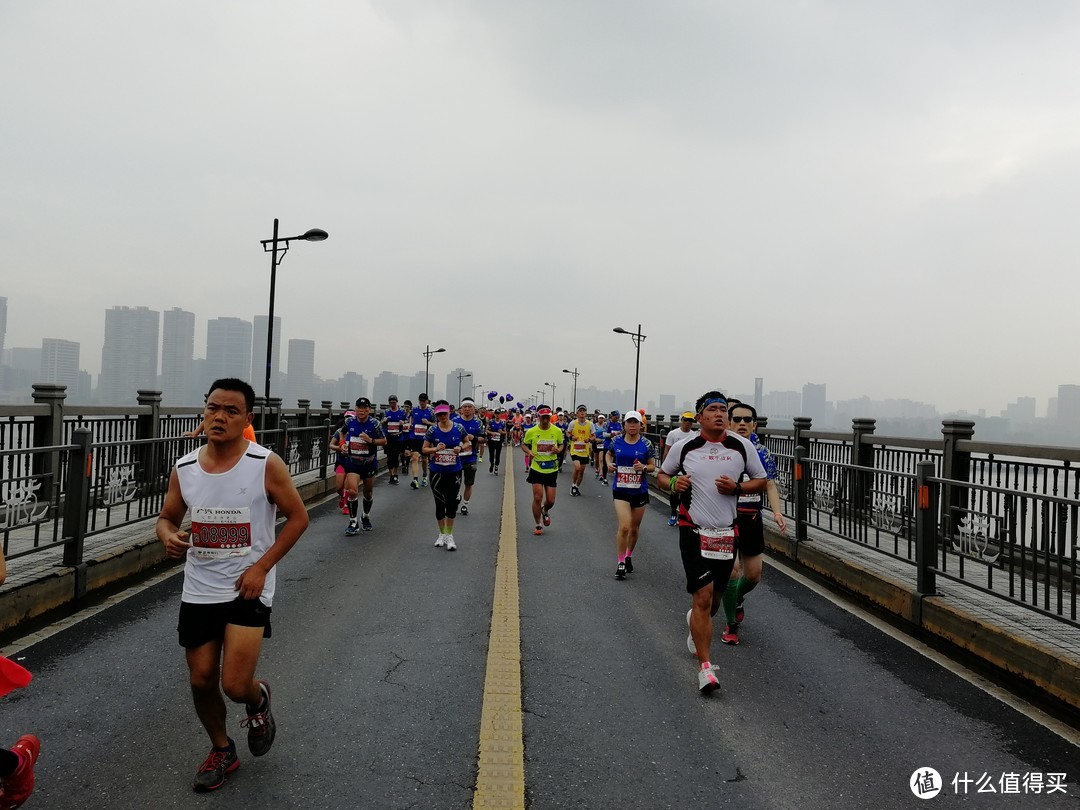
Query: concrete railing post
[(926, 528), (77, 500), (802, 427), (801, 470), (862, 455), (148, 426), (48, 432), (955, 466), (324, 449)]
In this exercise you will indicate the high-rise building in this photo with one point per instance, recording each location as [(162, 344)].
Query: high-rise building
[(417, 386), (129, 354), (454, 385), (782, 405), (301, 376), (759, 389), (351, 386), (228, 349), (3, 323), (60, 363), (1068, 404), (258, 357), (666, 405), (813, 401), (386, 383), (178, 387)]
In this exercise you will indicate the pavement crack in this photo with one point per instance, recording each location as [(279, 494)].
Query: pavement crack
[(393, 669), (534, 714), (574, 678)]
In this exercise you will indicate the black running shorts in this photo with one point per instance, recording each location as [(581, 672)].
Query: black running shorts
[(700, 571), (751, 540), (548, 479), (635, 498), (200, 624)]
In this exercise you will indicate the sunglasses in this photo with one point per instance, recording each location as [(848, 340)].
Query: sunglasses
[(741, 419)]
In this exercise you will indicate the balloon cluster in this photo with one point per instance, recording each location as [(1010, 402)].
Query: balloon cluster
[(492, 395)]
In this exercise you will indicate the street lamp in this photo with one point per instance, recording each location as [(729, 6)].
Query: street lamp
[(428, 351), (573, 374), (461, 376), (313, 235), (552, 393), (637, 337)]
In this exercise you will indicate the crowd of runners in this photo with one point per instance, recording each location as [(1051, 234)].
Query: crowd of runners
[(718, 476)]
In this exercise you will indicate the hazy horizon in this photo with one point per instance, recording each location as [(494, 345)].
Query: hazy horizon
[(871, 196)]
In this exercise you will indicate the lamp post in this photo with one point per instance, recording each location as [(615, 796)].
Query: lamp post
[(539, 397), (573, 374), (552, 393), (461, 376), (313, 235), (428, 351), (637, 337)]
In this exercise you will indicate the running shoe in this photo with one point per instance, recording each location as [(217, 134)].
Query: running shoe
[(739, 612), (341, 502), (450, 544), (352, 529), (18, 787), (538, 530), (603, 481), (731, 634), (707, 680), (574, 490), (671, 521), (620, 571), (496, 470), (690, 645), (344, 510), (211, 774), (629, 565), (414, 484), (393, 479), (440, 541), (365, 521), (260, 725), (464, 509), (423, 482), (546, 518)]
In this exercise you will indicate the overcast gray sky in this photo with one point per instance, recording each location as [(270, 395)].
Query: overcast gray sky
[(875, 195)]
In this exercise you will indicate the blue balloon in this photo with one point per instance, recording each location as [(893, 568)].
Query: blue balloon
[(492, 394), (509, 397)]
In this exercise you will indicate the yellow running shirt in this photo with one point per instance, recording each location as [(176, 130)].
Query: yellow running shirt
[(542, 445)]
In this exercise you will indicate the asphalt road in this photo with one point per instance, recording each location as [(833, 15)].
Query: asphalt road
[(377, 664)]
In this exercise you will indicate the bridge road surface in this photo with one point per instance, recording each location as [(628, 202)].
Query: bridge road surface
[(377, 663)]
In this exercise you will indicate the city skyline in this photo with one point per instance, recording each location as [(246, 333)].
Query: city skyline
[(231, 340)]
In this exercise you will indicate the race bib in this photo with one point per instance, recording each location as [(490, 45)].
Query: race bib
[(393, 428), (494, 436), (578, 448), (419, 430), (446, 458), (545, 446), (217, 534), (753, 500), (358, 447), (627, 478), (717, 544)]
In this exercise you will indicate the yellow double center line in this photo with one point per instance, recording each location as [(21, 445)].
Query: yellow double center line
[(500, 780)]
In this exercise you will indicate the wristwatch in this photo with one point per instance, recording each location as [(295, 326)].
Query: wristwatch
[(738, 488)]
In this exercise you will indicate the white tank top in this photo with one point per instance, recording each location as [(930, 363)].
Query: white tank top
[(232, 526)]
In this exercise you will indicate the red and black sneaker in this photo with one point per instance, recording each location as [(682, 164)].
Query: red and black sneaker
[(260, 725), (18, 787), (211, 774), (740, 614), (731, 634)]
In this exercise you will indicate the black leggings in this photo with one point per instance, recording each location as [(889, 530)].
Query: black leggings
[(495, 454), (445, 487)]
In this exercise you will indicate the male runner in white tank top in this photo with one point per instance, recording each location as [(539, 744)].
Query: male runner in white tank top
[(233, 489)]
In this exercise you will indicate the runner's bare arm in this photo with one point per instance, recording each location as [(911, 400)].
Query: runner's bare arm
[(169, 519)]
